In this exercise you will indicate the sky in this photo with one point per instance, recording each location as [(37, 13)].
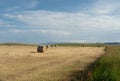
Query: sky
[(40, 21)]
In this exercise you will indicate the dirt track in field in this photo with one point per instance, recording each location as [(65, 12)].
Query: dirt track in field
[(23, 63)]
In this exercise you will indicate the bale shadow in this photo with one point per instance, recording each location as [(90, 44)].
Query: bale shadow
[(33, 52)]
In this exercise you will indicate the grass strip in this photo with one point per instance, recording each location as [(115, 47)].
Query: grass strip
[(108, 67)]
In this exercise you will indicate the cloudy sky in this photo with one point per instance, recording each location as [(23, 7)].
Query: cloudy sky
[(38, 21)]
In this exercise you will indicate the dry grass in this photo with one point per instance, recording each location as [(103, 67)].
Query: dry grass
[(23, 63)]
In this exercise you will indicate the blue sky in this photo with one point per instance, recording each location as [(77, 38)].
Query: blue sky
[(38, 21)]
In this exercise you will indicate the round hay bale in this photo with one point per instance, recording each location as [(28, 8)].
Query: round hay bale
[(51, 45), (98, 46), (83, 45), (9, 44), (46, 46), (40, 49), (55, 45)]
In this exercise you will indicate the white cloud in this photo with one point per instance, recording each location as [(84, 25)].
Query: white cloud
[(75, 41), (6, 24), (33, 4), (2, 23), (22, 5), (102, 7), (49, 19), (53, 32), (29, 4), (64, 20), (101, 17)]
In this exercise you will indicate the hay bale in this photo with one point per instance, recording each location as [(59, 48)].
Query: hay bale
[(98, 45), (83, 45), (51, 45), (55, 45), (9, 44), (40, 49), (46, 46)]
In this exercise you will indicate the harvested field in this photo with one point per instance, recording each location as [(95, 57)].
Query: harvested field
[(23, 63)]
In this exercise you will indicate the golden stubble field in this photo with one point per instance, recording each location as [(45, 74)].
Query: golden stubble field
[(23, 63)]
